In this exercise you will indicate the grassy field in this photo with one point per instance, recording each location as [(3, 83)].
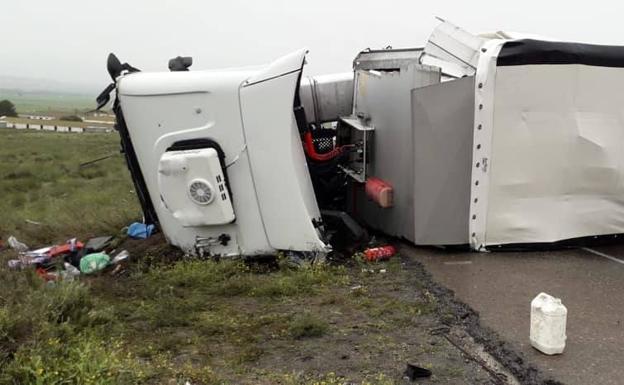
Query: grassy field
[(170, 319), (43, 102), (41, 181)]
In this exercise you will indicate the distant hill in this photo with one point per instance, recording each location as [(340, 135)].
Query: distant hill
[(44, 102), (47, 85), (43, 95)]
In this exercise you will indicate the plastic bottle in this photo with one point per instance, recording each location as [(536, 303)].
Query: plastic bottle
[(122, 256), (17, 245), (548, 324), (70, 272)]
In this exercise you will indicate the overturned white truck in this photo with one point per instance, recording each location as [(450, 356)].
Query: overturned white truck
[(486, 141)]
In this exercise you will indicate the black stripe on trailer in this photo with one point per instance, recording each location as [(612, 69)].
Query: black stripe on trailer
[(532, 52)]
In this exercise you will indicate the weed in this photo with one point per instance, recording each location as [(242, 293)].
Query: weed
[(79, 359), (18, 174), (307, 325), (55, 335), (247, 354), (216, 323)]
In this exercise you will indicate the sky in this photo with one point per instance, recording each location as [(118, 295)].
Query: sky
[(68, 40)]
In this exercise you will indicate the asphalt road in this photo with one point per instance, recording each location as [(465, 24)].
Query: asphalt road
[(501, 285)]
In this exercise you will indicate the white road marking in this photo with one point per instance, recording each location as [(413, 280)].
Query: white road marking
[(596, 252)]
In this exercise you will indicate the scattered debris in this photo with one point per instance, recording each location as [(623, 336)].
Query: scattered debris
[(74, 256), (46, 275), (294, 259), (34, 222), (93, 263), (413, 372), (70, 271), (139, 230), (43, 252), (118, 270), (71, 246), (25, 261), (381, 253), (97, 244), (120, 257), (17, 245)]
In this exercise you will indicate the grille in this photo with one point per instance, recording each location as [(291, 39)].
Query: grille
[(201, 192)]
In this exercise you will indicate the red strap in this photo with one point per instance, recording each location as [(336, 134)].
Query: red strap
[(308, 145)]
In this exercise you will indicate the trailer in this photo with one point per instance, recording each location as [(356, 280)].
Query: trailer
[(486, 141)]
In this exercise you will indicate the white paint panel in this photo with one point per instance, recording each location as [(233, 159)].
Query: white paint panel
[(557, 154), (456, 46), (386, 98), (204, 105), (485, 82), (281, 178), (293, 62)]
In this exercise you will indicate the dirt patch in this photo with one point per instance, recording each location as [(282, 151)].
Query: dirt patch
[(358, 323), (155, 246), (150, 251), (373, 337)]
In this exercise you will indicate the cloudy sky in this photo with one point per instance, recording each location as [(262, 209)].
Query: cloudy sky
[(68, 40)]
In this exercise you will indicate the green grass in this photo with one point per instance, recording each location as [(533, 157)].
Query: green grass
[(307, 326), (40, 180), (43, 102), (58, 335), (174, 323), (134, 330)]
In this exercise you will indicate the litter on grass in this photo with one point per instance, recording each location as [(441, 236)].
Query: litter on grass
[(97, 244), (17, 245), (139, 230), (413, 372), (93, 263), (381, 253), (122, 256), (68, 260)]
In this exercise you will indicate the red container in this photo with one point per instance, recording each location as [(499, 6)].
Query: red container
[(379, 253), (379, 192)]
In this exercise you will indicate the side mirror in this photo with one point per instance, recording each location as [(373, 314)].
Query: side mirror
[(104, 97), (180, 63)]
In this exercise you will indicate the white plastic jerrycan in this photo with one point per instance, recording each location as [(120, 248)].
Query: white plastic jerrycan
[(548, 324)]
